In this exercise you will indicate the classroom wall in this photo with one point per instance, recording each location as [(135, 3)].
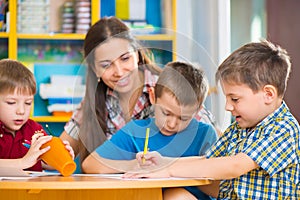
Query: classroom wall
[(283, 28), (203, 36)]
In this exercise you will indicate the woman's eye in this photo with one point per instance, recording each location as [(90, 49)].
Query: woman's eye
[(105, 65), (125, 58)]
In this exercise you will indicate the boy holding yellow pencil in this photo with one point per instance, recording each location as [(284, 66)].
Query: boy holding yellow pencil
[(178, 96)]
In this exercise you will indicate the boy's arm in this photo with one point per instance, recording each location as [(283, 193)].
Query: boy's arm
[(217, 168), (97, 164)]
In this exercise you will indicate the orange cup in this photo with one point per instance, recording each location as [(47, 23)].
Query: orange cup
[(59, 157)]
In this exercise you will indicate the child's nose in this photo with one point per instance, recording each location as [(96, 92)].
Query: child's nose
[(228, 106), (20, 110), (172, 122)]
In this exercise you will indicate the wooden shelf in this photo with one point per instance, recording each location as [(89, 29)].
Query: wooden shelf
[(156, 37), (50, 118), (4, 35), (54, 36)]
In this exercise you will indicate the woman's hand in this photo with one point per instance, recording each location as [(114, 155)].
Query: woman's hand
[(69, 148)]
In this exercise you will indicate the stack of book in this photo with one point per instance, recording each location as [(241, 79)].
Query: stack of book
[(82, 16), (64, 93), (3, 17), (68, 17), (33, 16)]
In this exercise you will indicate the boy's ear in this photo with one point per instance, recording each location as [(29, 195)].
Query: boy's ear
[(151, 95), (270, 93)]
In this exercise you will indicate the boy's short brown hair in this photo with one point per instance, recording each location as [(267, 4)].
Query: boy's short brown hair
[(257, 64), (186, 82), (14, 75)]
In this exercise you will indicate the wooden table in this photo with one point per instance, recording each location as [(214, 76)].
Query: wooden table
[(89, 187)]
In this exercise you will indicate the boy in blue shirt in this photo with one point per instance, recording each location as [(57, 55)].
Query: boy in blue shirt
[(258, 155), (177, 96)]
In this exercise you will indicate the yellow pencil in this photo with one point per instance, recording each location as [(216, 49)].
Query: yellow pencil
[(146, 143)]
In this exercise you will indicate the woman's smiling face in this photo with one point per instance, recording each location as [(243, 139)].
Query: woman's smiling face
[(116, 62)]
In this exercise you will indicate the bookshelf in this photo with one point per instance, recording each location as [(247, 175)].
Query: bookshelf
[(17, 45)]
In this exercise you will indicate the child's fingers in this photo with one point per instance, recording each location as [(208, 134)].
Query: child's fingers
[(139, 156), (147, 163), (40, 141), (35, 137), (44, 150)]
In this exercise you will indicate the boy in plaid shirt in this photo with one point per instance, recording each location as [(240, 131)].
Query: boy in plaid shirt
[(258, 155)]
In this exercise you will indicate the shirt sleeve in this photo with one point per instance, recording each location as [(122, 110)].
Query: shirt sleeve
[(72, 129), (275, 150), (119, 147), (72, 126)]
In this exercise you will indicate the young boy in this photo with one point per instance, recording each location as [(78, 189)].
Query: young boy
[(178, 96), (258, 155), (17, 88)]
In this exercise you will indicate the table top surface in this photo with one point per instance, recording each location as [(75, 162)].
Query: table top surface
[(96, 182)]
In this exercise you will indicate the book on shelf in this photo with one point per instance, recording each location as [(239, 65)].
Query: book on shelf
[(4, 15), (156, 14)]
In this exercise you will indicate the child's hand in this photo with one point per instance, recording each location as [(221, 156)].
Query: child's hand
[(69, 148), (161, 173), (152, 158), (35, 151)]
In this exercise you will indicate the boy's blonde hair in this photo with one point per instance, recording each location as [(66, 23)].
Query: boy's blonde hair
[(257, 64), (14, 75), (187, 83)]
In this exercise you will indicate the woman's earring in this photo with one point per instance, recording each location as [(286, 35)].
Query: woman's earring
[(99, 79)]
